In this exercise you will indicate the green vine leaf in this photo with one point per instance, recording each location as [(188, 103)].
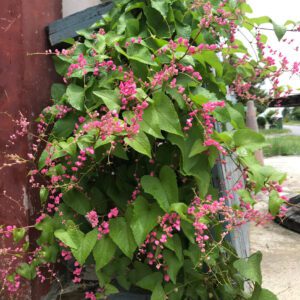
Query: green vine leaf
[(71, 237), (75, 94), (173, 263), (140, 143), (249, 268), (85, 247), (158, 293), (164, 189), (111, 98), (77, 201), (149, 282), (27, 271), (57, 91), (161, 6), (104, 251), (275, 202), (164, 113), (262, 294), (157, 22), (141, 54), (279, 30), (244, 137), (144, 218), (121, 234)]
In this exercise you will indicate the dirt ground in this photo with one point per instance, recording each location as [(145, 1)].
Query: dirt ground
[(280, 247)]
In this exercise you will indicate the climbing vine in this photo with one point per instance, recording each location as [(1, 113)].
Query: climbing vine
[(124, 156)]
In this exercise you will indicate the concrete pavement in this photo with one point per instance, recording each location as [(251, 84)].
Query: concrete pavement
[(295, 130), (280, 247)]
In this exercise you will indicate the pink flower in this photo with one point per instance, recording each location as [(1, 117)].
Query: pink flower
[(81, 119), (90, 295), (113, 213), (93, 218)]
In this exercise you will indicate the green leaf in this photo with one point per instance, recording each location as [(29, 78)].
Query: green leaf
[(246, 196), (104, 252), (144, 218), (18, 234), (50, 253), (173, 263), (61, 66), (132, 6), (71, 237), (46, 226), (249, 268), (140, 143), (77, 201), (161, 6), (188, 231), (164, 189), (237, 119), (75, 95), (197, 148), (151, 122), (100, 45), (157, 23), (64, 127), (110, 290), (43, 195), (212, 59), (175, 245), (111, 98), (27, 271), (121, 234), (141, 54), (275, 203), (168, 180), (70, 146), (153, 186), (262, 294), (165, 112), (158, 293), (279, 31), (149, 282), (181, 209), (197, 166), (260, 20), (201, 95), (57, 91), (86, 246), (244, 137)]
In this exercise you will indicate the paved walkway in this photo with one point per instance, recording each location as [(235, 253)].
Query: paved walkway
[(280, 247), (295, 130)]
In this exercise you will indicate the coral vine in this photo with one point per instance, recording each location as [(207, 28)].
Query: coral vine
[(123, 158)]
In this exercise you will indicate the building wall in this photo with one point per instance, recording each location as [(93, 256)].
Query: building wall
[(25, 87)]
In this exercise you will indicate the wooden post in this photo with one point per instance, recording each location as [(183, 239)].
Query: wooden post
[(251, 122), (25, 87)]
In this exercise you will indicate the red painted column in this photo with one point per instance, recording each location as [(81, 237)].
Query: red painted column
[(25, 82)]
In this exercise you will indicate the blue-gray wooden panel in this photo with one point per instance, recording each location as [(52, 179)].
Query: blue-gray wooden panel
[(65, 28)]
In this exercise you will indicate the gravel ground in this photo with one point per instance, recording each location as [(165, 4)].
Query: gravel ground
[(280, 247)]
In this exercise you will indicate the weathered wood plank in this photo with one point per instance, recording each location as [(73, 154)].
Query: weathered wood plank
[(65, 28), (225, 177)]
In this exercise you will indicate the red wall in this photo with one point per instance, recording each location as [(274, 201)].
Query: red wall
[(24, 86)]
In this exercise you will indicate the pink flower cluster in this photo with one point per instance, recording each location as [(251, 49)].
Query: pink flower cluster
[(169, 224), (80, 65), (92, 217), (90, 295), (103, 229), (77, 272)]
